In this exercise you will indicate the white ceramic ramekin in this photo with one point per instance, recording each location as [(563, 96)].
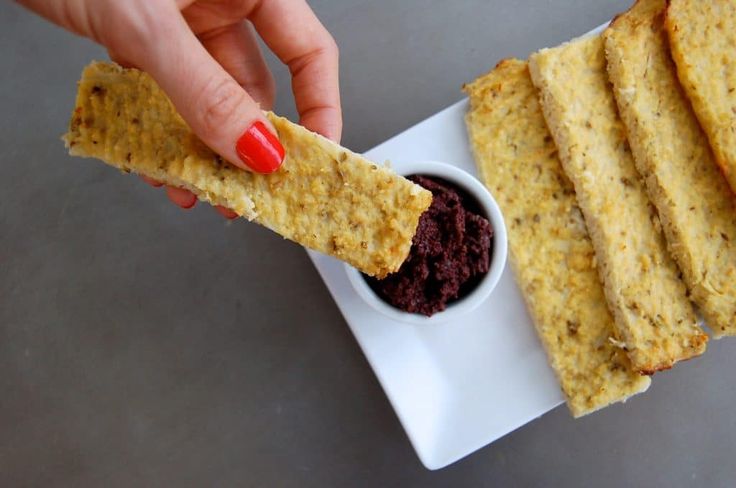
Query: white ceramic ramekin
[(480, 293)]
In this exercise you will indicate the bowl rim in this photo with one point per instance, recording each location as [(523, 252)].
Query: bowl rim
[(485, 287)]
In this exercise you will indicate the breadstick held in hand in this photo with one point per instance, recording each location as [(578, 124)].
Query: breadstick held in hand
[(205, 57)]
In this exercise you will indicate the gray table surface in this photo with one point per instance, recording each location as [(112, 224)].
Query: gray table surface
[(141, 345)]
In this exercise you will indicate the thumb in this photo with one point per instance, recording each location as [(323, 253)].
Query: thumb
[(214, 105)]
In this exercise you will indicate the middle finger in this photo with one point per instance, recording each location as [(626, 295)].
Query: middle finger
[(236, 48)]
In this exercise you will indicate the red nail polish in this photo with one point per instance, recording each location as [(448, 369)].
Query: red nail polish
[(259, 149)]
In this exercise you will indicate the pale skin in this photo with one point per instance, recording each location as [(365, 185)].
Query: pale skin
[(204, 55)]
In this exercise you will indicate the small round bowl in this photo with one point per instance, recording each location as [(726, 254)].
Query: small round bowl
[(480, 293)]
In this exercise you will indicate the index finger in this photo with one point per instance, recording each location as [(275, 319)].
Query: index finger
[(293, 32)]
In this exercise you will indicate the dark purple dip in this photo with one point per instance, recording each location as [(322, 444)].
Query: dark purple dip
[(450, 253)]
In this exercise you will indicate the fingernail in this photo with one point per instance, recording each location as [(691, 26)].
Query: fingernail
[(259, 149)]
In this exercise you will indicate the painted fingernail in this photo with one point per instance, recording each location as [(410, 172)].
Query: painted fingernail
[(181, 197), (226, 212), (259, 149)]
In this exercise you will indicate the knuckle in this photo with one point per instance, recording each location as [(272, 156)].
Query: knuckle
[(132, 27), (219, 105), (331, 47)]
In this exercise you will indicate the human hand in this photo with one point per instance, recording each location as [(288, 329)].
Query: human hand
[(204, 55)]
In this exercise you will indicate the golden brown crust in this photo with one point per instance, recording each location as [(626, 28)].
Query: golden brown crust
[(653, 315), (672, 153), (702, 37), (549, 247), (324, 197)]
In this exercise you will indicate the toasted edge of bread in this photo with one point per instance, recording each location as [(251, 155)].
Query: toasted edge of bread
[(702, 37), (549, 247), (653, 315), (671, 151), (323, 197)]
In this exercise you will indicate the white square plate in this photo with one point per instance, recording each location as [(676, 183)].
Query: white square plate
[(460, 385)]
